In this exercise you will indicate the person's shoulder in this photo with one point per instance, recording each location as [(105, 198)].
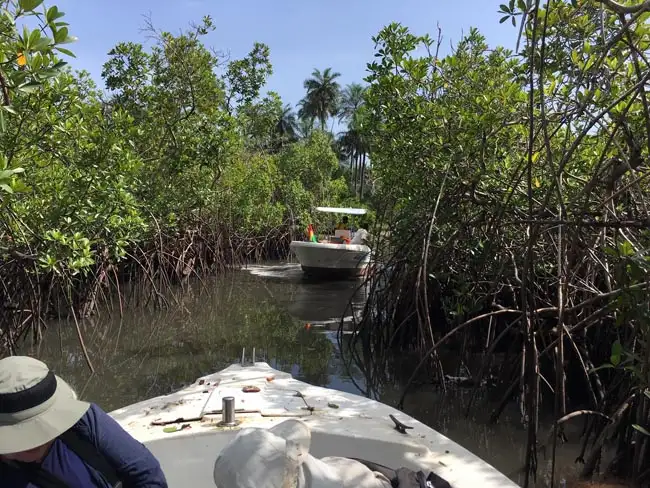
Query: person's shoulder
[(93, 411), (88, 423), (94, 408)]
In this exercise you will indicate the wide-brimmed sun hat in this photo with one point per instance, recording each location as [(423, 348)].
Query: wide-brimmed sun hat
[(36, 406)]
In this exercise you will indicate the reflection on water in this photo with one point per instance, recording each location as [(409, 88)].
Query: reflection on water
[(317, 303), (291, 322), (151, 352)]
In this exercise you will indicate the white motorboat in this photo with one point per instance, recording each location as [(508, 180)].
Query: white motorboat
[(341, 255), (186, 431)]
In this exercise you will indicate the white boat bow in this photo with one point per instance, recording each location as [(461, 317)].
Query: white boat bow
[(182, 429)]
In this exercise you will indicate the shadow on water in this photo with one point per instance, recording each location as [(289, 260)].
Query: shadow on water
[(292, 323)]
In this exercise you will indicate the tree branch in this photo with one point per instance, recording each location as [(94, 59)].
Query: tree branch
[(626, 9)]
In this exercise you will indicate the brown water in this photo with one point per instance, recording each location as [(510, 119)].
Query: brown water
[(292, 324)]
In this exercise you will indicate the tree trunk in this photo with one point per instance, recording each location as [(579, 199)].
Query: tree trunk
[(355, 171), (362, 175)]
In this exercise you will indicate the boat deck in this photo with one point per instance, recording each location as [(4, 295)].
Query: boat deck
[(342, 424)]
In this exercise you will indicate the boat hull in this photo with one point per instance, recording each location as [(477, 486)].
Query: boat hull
[(335, 261)]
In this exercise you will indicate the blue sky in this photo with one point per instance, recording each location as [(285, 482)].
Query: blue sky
[(302, 35)]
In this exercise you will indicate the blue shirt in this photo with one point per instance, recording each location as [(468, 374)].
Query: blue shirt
[(132, 461)]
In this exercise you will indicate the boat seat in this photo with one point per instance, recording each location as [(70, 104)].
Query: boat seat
[(343, 234)]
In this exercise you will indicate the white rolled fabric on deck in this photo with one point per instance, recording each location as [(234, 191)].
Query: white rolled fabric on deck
[(279, 458)]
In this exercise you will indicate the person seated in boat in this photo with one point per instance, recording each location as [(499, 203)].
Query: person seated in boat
[(343, 225), (50, 439)]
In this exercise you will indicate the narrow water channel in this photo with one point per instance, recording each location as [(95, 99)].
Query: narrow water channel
[(291, 324)]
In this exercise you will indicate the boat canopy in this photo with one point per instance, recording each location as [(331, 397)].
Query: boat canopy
[(351, 211)]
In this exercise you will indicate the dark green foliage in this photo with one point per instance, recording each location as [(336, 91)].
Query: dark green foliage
[(179, 169)]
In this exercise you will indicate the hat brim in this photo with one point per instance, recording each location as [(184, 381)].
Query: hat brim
[(64, 412)]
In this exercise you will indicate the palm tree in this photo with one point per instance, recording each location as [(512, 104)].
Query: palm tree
[(358, 125), (305, 127), (287, 125), (346, 149), (306, 113), (351, 101), (323, 94), (352, 144), (351, 111)]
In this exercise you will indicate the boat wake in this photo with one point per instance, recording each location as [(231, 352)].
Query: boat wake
[(286, 271)]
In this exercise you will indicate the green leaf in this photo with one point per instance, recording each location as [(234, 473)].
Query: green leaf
[(65, 51), (6, 188), (17, 77), (617, 350), (574, 57), (19, 186), (610, 251), (643, 430), (59, 65), (29, 5), (503, 19), (625, 249), (60, 35), (37, 61), (69, 40), (8, 173), (42, 44), (9, 16), (30, 87), (3, 122), (34, 36), (9, 109), (24, 39), (52, 14), (612, 63), (48, 73)]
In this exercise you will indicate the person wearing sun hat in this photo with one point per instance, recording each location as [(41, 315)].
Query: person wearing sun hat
[(50, 439)]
